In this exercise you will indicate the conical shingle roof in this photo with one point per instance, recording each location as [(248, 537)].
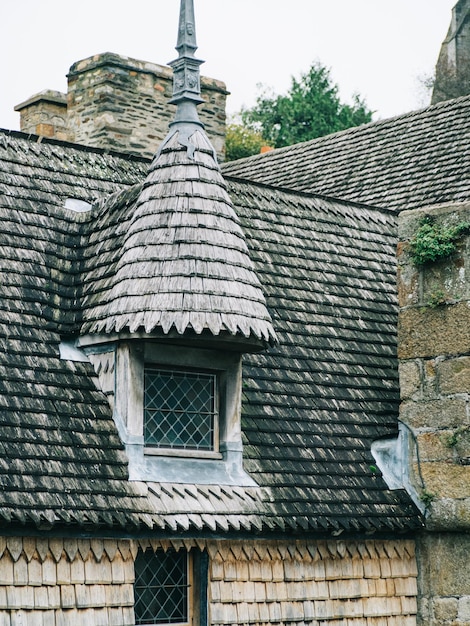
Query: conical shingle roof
[(184, 262)]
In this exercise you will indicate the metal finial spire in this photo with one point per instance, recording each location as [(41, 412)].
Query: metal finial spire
[(187, 45), (186, 78)]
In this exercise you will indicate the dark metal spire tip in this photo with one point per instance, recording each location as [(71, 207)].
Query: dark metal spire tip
[(186, 75)]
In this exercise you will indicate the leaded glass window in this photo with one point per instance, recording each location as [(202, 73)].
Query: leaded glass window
[(180, 409), (161, 588)]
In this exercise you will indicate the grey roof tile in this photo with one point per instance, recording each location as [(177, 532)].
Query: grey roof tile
[(416, 159), (311, 406)]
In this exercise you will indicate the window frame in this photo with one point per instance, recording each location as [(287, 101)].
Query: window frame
[(187, 452), (126, 395), (197, 568), (131, 360)]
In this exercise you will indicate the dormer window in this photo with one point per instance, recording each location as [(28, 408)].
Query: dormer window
[(180, 411), (177, 409), (175, 298)]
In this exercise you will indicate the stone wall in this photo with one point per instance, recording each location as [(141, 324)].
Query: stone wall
[(434, 355), (69, 582), (452, 76), (117, 103), (444, 576)]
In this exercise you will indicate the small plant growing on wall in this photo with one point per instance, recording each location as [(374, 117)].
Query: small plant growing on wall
[(451, 441), (459, 440), (434, 241), (427, 498), (437, 298)]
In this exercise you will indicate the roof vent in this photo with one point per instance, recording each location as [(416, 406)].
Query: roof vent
[(68, 351), (79, 206)]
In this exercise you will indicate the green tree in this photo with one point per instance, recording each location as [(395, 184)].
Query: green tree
[(242, 141), (310, 109)]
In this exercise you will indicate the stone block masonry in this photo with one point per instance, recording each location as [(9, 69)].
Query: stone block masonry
[(434, 363), (452, 78), (45, 114), (117, 103)]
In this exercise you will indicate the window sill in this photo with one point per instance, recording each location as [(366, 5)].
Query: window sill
[(226, 469), (186, 454)]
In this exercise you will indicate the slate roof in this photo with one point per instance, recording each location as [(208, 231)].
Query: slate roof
[(312, 405), (412, 160)]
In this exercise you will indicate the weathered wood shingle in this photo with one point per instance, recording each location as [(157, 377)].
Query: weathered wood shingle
[(184, 264), (61, 460), (412, 160), (311, 406)]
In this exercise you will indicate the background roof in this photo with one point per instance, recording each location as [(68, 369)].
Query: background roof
[(405, 162)]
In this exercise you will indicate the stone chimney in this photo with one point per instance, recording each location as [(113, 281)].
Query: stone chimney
[(118, 103), (45, 114)]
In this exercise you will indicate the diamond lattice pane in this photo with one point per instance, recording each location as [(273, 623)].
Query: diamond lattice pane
[(179, 409), (161, 587)]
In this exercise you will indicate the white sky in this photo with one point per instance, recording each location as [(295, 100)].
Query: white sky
[(377, 48)]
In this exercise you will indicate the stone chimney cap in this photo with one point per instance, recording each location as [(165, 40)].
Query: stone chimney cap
[(46, 95)]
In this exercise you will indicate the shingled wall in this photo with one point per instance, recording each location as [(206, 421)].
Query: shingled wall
[(434, 353), (336, 583), (115, 102), (62, 582)]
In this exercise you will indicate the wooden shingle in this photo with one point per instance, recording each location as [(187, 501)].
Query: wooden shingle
[(183, 262), (416, 159)]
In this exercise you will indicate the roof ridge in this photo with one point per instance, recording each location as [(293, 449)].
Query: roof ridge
[(41, 139), (353, 129)]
